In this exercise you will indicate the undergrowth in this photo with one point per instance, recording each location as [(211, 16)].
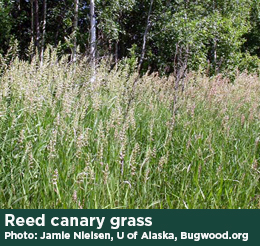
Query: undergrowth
[(122, 142)]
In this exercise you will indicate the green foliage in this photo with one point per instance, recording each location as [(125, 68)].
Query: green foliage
[(110, 16), (250, 63), (211, 31), (213, 36), (252, 43), (5, 25), (132, 61), (68, 143)]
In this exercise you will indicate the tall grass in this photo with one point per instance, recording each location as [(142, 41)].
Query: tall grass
[(122, 143)]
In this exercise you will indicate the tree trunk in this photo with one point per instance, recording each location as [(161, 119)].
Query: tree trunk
[(32, 20), (37, 25), (43, 28), (116, 53), (75, 27), (32, 46), (93, 40), (145, 36), (215, 62)]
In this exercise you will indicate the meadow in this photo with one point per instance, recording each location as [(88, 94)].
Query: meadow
[(126, 141)]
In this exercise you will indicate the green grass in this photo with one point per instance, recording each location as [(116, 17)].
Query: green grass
[(65, 143)]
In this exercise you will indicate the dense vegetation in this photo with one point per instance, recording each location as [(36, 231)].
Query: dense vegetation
[(124, 141), (207, 35), (156, 105)]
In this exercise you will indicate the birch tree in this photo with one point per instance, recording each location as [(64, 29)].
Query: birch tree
[(37, 25), (75, 28), (43, 28), (92, 40), (148, 24), (32, 21)]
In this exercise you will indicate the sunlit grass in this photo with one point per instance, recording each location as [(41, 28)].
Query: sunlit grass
[(66, 143)]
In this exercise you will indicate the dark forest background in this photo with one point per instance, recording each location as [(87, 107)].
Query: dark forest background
[(209, 35)]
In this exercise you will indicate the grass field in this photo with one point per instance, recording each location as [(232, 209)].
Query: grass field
[(123, 143)]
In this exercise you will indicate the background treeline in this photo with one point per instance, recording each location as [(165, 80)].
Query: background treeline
[(164, 35)]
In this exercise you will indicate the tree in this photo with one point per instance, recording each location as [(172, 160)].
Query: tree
[(5, 25), (32, 23), (43, 28), (37, 25), (75, 29), (92, 40), (167, 35), (114, 19), (203, 31), (252, 44), (145, 36)]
